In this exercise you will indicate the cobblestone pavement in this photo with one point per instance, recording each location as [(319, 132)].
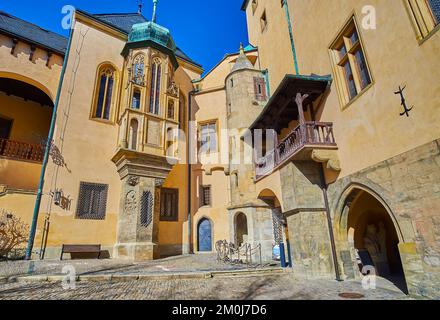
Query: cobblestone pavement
[(279, 287), (187, 263)]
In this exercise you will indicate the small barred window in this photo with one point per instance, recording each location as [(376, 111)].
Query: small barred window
[(205, 196), (92, 201), (169, 204), (146, 209)]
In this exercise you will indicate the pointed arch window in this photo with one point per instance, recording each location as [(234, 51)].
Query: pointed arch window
[(106, 83), (138, 69), (156, 75)]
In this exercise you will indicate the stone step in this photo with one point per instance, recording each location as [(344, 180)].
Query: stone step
[(152, 276)]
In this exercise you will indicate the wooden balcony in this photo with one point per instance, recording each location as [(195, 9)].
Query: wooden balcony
[(298, 145), (21, 150)]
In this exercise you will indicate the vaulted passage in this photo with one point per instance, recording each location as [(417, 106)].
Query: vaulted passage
[(25, 115), (241, 229), (373, 234)]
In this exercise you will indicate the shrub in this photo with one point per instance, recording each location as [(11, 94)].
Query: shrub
[(13, 233)]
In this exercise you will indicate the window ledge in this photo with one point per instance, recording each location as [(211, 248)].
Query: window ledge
[(429, 35), (103, 121), (360, 94)]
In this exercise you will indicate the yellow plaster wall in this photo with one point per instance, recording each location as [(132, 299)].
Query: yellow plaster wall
[(274, 49), (20, 204), (31, 121), (17, 174), (217, 212), (211, 106), (369, 130), (18, 66), (88, 145)]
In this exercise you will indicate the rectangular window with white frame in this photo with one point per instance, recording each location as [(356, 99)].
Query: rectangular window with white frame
[(350, 66), (208, 136)]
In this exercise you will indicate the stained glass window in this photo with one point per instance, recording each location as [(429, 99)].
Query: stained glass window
[(138, 69), (156, 74), (105, 94)]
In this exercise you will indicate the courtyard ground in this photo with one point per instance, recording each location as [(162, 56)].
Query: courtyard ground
[(178, 278)]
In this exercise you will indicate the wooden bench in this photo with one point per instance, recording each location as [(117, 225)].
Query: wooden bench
[(81, 248)]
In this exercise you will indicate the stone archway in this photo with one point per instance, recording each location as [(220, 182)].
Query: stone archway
[(372, 233), (241, 229)]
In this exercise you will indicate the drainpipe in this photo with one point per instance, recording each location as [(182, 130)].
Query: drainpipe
[(33, 229), (189, 158), (292, 42), (330, 225)]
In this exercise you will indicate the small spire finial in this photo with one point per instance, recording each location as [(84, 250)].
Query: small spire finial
[(154, 10), (140, 5), (241, 48)]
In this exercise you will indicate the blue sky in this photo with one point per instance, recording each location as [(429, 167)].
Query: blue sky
[(204, 29)]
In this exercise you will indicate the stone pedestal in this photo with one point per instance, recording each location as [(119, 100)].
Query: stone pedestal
[(142, 176)]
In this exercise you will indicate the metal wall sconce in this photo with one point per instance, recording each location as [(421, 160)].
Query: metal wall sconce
[(57, 197)]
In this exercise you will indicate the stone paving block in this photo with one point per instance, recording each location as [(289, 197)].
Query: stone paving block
[(95, 278)]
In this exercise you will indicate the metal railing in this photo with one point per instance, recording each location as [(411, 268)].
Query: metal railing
[(21, 150), (310, 133), (245, 254)]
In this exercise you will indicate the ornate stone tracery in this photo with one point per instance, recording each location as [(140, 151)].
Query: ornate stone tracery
[(138, 73)]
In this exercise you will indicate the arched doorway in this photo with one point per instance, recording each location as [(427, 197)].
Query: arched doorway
[(204, 235), (373, 233), (241, 229), (281, 243)]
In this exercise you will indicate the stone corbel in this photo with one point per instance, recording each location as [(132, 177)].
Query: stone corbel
[(49, 55), (32, 53), (159, 182), (330, 157), (14, 45)]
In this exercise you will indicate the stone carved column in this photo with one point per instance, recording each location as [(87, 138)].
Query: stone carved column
[(136, 239)]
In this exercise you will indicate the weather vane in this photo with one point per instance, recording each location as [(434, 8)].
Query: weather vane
[(406, 110), (140, 5)]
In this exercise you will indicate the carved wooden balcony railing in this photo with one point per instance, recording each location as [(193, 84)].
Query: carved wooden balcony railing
[(307, 136), (21, 150)]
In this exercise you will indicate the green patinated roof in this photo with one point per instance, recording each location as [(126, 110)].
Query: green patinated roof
[(150, 34), (150, 31)]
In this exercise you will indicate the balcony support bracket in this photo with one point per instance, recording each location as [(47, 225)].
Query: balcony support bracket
[(329, 157)]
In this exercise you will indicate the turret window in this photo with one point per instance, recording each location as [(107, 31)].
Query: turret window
[(106, 83), (136, 101), (260, 89), (171, 112), (156, 74)]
